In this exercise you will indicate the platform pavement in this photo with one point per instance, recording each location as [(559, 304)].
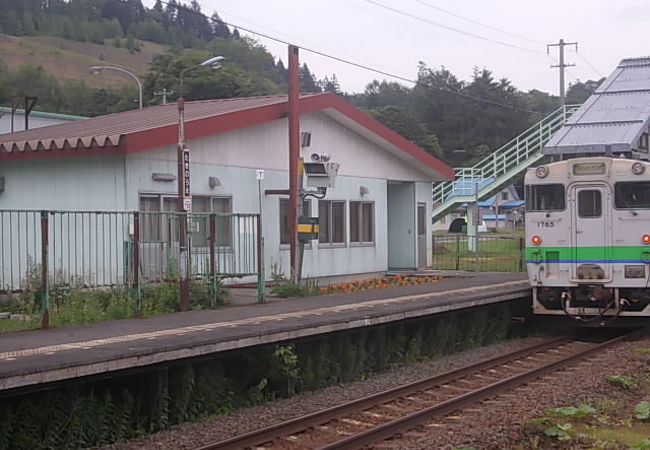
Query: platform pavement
[(29, 358)]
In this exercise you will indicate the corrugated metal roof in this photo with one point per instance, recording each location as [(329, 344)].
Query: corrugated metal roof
[(148, 128), (108, 130), (613, 118)]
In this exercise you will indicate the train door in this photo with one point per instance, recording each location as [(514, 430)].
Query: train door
[(591, 218)]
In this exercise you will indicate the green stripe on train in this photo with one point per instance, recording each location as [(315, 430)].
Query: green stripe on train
[(620, 253)]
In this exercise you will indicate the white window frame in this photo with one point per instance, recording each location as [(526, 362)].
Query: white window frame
[(360, 224), (329, 243), (161, 197)]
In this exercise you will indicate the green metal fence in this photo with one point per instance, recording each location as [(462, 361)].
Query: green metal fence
[(40, 250), (495, 253)]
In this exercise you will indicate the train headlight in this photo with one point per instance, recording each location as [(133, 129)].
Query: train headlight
[(536, 240), (638, 168), (541, 171), (646, 239)]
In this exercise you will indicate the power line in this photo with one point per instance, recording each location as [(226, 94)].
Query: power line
[(466, 33), (297, 38), (451, 13), (363, 66), (589, 64)]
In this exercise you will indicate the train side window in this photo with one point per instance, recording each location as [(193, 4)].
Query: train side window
[(632, 195), (545, 197), (590, 203)]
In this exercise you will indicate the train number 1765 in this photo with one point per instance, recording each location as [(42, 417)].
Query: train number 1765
[(542, 224)]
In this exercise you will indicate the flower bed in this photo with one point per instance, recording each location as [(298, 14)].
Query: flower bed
[(378, 283)]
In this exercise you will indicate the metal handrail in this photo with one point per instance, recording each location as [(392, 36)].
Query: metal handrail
[(518, 152)]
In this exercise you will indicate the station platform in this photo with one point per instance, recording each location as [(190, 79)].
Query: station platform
[(30, 358)]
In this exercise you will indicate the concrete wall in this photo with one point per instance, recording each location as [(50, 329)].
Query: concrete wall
[(87, 183)]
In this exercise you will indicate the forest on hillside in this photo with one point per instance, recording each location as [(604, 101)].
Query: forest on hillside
[(457, 120)]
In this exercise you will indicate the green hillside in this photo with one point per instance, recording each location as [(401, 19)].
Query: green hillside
[(46, 48)]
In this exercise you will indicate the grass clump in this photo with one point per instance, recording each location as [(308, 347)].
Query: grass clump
[(623, 381)]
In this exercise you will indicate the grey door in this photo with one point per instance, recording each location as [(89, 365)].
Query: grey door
[(422, 235)]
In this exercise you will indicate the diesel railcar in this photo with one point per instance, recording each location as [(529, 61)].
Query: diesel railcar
[(588, 238)]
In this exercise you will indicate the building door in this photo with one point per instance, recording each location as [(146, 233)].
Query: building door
[(422, 235), (590, 225), (402, 244)]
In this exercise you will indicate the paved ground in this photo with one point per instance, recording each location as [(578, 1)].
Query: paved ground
[(33, 357)]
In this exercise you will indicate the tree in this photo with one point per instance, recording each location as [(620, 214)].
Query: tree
[(405, 123), (308, 81), (541, 102), (219, 29), (383, 93), (330, 85), (579, 92), (126, 12)]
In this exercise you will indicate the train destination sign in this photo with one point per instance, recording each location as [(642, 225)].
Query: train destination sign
[(589, 168)]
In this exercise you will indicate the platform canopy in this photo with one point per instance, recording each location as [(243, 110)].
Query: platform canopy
[(614, 119)]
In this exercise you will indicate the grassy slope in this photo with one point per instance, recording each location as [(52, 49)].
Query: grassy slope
[(69, 60)]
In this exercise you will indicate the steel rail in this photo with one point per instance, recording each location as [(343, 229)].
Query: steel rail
[(271, 432), (392, 428)]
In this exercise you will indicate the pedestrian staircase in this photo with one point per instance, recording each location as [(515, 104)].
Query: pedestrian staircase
[(496, 171)]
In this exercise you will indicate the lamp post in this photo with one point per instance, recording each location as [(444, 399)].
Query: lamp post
[(184, 190), (97, 69)]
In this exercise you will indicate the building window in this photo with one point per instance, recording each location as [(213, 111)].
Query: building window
[(362, 222), (201, 228), (157, 226), (331, 220), (504, 196), (285, 231)]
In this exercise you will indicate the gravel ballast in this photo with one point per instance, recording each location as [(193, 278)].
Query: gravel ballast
[(487, 428)]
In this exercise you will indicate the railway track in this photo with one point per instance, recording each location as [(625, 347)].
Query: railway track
[(387, 414)]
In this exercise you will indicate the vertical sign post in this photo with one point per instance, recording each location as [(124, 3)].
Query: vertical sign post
[(187, 192), (259, 175), (183, 156)]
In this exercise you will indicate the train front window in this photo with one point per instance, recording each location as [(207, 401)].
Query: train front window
[(545, 197), (632, 195), (590, 203)]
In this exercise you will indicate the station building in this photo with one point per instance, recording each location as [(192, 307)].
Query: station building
[(375, 218)]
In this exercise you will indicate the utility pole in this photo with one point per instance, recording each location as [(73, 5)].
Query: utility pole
[(164, 93), (562, 65), (294, 156)]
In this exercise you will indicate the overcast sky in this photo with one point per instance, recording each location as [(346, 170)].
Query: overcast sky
[(510, 36)]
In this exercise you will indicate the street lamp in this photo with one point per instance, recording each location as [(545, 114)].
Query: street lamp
[(184, 190), (97, 69)]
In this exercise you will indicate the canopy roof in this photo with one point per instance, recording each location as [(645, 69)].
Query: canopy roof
[(613, 119)]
